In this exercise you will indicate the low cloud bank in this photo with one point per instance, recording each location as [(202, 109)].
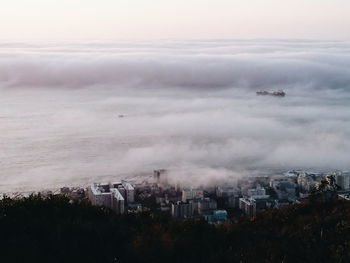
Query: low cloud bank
[(187, 106)]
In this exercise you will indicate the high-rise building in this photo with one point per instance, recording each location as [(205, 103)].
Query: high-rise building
[(117, 201), (112, 195), (126, 190), (247, 206), (251, 205), (181, 210), (99, 194), (342, 179), (130, 192)]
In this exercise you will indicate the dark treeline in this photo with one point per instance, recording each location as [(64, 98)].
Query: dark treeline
[(54, 230)]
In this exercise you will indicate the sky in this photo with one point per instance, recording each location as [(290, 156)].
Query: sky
[(180, 19)]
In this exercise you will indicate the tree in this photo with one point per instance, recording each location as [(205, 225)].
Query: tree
[(325, 190)]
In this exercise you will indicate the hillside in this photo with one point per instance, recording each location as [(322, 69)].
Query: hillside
[(54, 230)]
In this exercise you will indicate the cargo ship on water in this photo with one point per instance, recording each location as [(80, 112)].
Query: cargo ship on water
[(279, 93)]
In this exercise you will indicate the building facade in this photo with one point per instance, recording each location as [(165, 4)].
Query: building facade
[(181, 210)]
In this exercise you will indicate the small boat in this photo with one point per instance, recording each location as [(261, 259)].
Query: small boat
[(279, 93)]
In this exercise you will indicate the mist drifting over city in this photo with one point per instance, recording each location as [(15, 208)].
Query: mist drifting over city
[(75, 113)]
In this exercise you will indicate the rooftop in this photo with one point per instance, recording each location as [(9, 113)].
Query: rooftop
[(117, 194), (99, 189)]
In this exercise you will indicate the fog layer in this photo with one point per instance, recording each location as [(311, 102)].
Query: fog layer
[(188, 106)]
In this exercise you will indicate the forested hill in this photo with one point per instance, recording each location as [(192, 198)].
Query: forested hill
[(54, 230)]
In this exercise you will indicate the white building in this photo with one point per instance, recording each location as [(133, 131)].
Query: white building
[(112, 195), (99, 194), (130, 192), (117, 201), (126, 190)]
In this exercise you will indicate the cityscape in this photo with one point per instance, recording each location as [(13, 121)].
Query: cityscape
[(215, 204), (187, 131)]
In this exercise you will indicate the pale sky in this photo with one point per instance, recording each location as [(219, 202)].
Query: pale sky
[(154, 19)]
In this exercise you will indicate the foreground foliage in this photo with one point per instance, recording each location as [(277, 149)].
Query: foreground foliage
[(54, 230)]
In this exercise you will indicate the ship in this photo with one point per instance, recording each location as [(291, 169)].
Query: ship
[(279, 93)]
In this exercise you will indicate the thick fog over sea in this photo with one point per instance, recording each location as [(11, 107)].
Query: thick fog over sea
[(72, 114)]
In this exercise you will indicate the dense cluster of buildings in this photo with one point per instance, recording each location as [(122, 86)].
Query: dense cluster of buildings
[(292, 187), (215, 204), (116, 196)]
